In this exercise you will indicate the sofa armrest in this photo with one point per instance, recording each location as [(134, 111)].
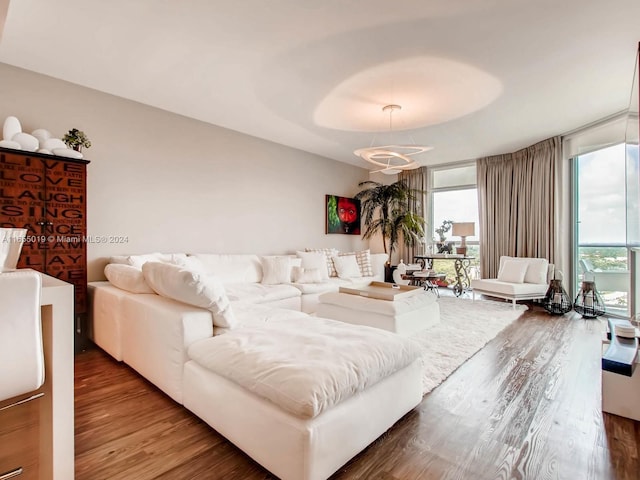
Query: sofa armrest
[(378, 261)]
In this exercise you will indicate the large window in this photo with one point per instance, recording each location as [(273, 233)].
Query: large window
[(454, 197), (601, 230)]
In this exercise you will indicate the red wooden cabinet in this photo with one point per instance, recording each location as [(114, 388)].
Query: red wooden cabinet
[(47, 195)]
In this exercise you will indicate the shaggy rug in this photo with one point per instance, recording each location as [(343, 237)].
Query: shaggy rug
[(465, 327)]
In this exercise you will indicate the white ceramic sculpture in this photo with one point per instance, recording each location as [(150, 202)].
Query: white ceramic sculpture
[(10, 144), (42, 135), (26, 141), (10, 128), (52, 143), (39, 140), (66, 152)]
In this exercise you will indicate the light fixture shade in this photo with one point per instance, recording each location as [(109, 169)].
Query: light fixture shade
[(392, 159), (463, 229)]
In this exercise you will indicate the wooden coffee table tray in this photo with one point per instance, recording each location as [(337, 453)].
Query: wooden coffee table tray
[(382, 291)]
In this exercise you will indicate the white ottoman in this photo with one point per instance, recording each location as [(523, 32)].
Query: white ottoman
[(404, 315)]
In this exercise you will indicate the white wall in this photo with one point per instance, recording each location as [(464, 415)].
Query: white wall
[(169, 183)]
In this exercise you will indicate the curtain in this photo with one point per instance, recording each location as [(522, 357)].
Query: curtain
[(415, 180), (518, 205)]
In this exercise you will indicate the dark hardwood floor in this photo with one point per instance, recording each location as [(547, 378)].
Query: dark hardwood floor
[(527, 406)]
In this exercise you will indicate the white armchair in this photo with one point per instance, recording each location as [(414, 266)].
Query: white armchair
[(21, 354), (519, 278)]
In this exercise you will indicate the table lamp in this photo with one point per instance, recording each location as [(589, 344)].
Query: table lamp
[(463, 230)]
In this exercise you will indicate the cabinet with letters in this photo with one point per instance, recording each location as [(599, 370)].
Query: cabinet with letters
[(46, 194)]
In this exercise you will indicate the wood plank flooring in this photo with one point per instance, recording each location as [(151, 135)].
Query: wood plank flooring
[(527, 406)]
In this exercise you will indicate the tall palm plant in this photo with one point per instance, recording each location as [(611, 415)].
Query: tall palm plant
[(385, 211)]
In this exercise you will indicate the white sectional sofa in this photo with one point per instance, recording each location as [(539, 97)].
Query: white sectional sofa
[(243, 275), (303, 423)]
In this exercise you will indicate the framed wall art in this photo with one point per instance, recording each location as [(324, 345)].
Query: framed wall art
[(343, 215)]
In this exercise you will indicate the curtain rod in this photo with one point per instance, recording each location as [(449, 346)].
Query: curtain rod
[(598, 123)]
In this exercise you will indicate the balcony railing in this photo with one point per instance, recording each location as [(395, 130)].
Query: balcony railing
[(607, 265)]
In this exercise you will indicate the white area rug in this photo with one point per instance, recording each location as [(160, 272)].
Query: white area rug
[(465, 328)]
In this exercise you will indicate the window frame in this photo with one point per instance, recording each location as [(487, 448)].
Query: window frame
[(432, 190)]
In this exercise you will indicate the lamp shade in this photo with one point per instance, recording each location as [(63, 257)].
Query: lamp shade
[(463, 229)]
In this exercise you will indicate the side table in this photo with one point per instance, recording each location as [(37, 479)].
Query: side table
[(427, 280)]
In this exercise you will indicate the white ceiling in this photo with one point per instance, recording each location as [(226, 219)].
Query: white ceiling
[(474, 77)]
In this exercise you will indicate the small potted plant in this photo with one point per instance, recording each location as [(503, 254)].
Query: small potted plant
[(76, 139)]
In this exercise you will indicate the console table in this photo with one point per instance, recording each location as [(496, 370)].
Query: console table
[(461, 264)]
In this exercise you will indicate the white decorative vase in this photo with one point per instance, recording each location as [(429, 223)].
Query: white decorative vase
[(11, 241)]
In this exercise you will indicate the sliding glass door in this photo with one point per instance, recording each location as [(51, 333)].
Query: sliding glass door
[(601, 231)]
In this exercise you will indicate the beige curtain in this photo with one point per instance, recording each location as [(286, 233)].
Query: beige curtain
[(415, 180), (517, 203)]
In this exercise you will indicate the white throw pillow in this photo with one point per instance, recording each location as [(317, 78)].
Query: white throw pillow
[(127, 278), (364, 261), (276, 270), (328, 253), (205, 291), (311, 260), (347, 266), (536, 270), (512, 271), (308, 275)]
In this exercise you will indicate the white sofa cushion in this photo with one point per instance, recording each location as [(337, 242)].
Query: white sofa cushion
[(314, 260), (363, 258), (123, 259), (276, 270), (347, 266), (127, 277), (307, 275), (313, 288), (511, 289), (193, 288), (537, 268), (233, 268), (378, 262), (512, 271), (301, 378), (139, 260), (260, 293), (328, 253)]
